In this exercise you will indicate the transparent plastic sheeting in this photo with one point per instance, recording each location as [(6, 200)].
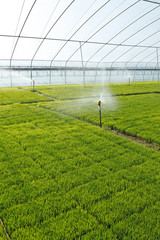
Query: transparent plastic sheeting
[(106, 73), (52, 30), (76, 33)]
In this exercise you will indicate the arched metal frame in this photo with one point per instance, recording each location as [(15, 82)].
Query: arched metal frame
[(155, 46)]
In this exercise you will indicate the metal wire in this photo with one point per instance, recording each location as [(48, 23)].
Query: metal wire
[(144, 58), (150, 1), (80, 28), (23, 28), (145, 48), (83, 25), (17, 25), (50, 30), (128, 39), (121, 32), (106, 18), (103, 27), (70, 39), (50, 17), (71, 31)]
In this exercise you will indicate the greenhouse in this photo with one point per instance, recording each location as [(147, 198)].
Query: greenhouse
[(79, 120), (78, 41)]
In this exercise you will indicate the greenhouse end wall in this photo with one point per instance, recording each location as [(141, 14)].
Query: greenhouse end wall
[(106, 73)]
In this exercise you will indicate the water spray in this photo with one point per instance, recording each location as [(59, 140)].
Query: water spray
[(99, 106)]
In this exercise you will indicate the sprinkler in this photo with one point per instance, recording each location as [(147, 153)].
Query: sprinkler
[(99, 105)]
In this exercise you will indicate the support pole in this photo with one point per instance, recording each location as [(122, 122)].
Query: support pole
[(50, 75), (129, 81), (157, 64), (100, 119), (66, 72), (31, 69), (82, 64), (10, 73)]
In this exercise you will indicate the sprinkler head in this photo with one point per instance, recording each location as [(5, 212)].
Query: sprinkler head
[(99, 103)]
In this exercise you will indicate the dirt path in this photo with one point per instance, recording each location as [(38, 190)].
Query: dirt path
[(44, 95), (4, 229), (138, 140)]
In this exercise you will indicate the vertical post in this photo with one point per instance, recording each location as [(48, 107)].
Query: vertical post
[(65, 72), (110, 72), (157, 64), (96, 76), (10, 73), (144, 75), (96, 72), (100, 119), (31, 70), (129, 80), (50, 76), (82, 64)]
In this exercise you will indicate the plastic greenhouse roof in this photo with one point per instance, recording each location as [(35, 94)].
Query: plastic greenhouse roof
[(72, 30)]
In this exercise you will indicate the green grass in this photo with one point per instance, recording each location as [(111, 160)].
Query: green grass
[(136, 115), (2, 234), (63, 92), (62, 178), (17, 95)]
